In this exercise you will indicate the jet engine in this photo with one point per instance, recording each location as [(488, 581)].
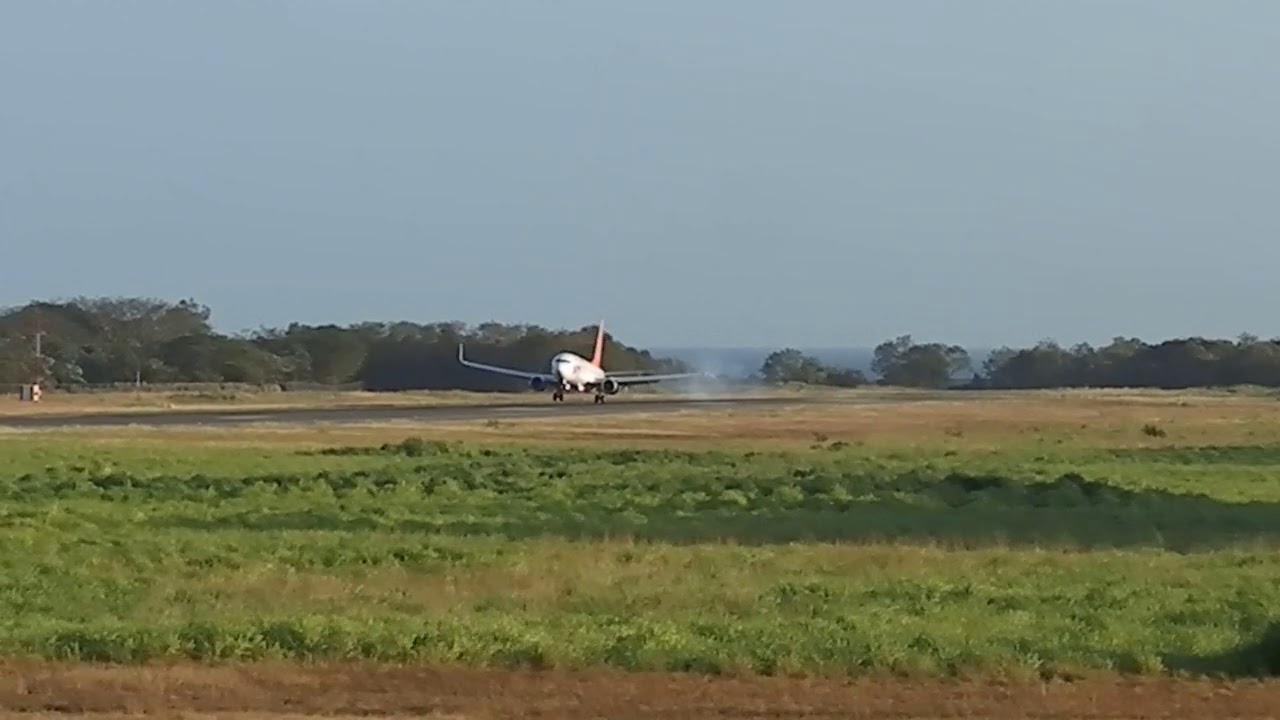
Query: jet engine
[(610, 386), (537, 384)]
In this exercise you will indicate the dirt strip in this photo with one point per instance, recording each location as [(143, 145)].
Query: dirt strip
[(269, 691)]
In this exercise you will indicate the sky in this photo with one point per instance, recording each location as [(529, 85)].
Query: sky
[(720, 173)]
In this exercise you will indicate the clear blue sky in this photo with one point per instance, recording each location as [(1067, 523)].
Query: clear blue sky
[(724, 172)]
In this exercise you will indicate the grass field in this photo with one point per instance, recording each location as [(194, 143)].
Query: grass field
[(1030, 538)]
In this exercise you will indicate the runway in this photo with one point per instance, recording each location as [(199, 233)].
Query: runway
[(373, 414)]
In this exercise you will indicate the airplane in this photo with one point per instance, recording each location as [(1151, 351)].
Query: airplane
[(570, 372)]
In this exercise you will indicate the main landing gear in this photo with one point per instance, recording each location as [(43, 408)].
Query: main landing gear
[(558, 396)]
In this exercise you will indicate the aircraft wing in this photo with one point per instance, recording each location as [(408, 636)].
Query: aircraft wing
[(646, 379), (547, 377)]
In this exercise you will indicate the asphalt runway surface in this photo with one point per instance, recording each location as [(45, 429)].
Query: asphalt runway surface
[(373, 414)]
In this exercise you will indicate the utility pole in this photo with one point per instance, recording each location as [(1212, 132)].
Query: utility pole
[(39, 353), (39, 373), (39, 332)]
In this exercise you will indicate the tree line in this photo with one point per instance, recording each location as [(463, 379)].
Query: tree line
[(1124, 362), (106, 341)]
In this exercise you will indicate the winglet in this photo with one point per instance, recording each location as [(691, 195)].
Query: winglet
[(597, 354), (460, 358)]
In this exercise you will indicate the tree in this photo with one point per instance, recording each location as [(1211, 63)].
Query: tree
[(1046, 363), (336, 354), (791, 365), (844, 377), (903, 362)]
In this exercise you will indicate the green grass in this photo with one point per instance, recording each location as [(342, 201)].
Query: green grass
[(829, 559)]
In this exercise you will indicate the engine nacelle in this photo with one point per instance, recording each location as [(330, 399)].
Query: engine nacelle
[(537, 384), (610, 386)]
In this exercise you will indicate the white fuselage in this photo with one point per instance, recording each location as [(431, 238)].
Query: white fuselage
[(575, 371)]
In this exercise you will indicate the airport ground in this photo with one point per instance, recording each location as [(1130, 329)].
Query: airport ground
[(214, 399), (864, 554)]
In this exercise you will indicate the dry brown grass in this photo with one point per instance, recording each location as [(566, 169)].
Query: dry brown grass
[(1097, 420), (54, 403), (158, 401), (62, 403), (269, 691), (975, 421)]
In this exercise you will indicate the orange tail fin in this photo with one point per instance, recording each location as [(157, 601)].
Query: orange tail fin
[(597, 354)]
